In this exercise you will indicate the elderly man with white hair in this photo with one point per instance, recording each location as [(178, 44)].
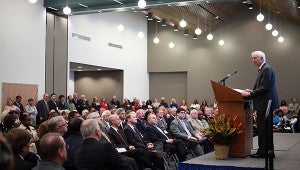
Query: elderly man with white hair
[(97, 154), (264, 90)]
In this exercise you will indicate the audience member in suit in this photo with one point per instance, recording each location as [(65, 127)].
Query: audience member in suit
[(122, 115), (75, 101), (43, 109), (263, 91), (85, 156), (19, 140), (6, 156), (171, 117), (161, 121), (53, 152), (61, 104), (182, 129), (105, 124), (141, 122), (115, 103), (58, 124), (155, 134), (18, 103), (73, 142), (52, 103), (136, 139), (118, 139), (163, 102), (83, 103)]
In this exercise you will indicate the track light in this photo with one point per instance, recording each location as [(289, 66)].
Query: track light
[(150, 17), (195, 37), (175, 27), (186, 32), (164, 22)]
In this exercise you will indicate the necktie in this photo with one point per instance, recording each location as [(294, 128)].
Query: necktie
[(185, 128), (139, 135), (121, 136), (161, 132), (105, 137)]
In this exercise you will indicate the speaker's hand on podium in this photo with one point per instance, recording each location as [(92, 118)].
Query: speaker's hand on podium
[(246, 92)]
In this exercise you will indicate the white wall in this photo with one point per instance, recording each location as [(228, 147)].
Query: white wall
[(22, 43), (102, 28)]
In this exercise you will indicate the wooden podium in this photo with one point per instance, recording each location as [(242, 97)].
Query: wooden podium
[(231, 103)]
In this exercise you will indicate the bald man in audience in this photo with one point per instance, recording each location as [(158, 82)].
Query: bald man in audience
[(53, 152), (97, 154)]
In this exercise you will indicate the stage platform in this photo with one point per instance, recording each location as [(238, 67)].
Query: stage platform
[(287, 151)]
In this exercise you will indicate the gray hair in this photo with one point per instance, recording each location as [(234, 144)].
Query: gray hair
[(106, 113), (54, 122), (118, 111), (88, 127), (92, 115), (112, 117), (260, 54)]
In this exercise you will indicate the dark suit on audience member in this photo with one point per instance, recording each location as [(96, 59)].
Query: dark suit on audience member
[(20, 106), (22, 164), (118, 139), (74, 141), (98, 155), (177, 147), (43, 111), (168, 121), (52, 105), (264, 90)]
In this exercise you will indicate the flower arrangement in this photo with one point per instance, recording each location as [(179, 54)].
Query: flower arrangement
[(223, 131)]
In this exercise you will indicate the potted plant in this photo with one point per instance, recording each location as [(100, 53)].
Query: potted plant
[(222, 132)]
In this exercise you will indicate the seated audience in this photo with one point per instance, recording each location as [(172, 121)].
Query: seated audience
[(43, 128), (7, 124), (53, 152), (115, 103), (155, 135), (173, 103), (6, 154), (294, 106), (57, 124), (73, 142), (27, 125), (19, 140), (92, 145), (10, 106), (182, 129), (141, 122), (197, 121)]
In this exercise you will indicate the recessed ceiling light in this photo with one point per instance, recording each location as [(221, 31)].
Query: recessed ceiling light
[(79, 70), (98, 69), (118, 2), (83, 5), (79, 66), (52, 8)]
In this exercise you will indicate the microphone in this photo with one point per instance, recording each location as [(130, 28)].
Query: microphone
[(227, 76)]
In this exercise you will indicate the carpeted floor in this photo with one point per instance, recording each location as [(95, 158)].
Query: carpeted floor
[(287, 151)]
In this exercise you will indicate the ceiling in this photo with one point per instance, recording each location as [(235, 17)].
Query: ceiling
[(207, 14)]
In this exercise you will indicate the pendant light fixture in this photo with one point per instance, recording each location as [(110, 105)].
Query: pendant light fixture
[(260, 17), (32, 1), (156, 39), (67, 10), (269, 26), (142, 3), (182, 23)]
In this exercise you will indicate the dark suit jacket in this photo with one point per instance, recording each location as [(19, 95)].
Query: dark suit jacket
[(97, 155), (133, 137), (154, 135), (42, 110), (264, 90), (20, 106), (116, 140), (52, 105), (22, 164), (168, 121)]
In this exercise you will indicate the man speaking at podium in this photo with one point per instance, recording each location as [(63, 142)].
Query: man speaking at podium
[(263, 91)]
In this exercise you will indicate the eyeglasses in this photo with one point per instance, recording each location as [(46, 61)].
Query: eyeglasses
[(65, 124)]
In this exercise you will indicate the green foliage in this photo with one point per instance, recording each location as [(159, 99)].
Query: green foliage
[(223, 131)]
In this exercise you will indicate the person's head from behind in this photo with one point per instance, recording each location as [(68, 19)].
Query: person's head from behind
[(53, 148), (6, 154), (74, 126), (258, 57), (19, 140), (9, 121), (90, 129)]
